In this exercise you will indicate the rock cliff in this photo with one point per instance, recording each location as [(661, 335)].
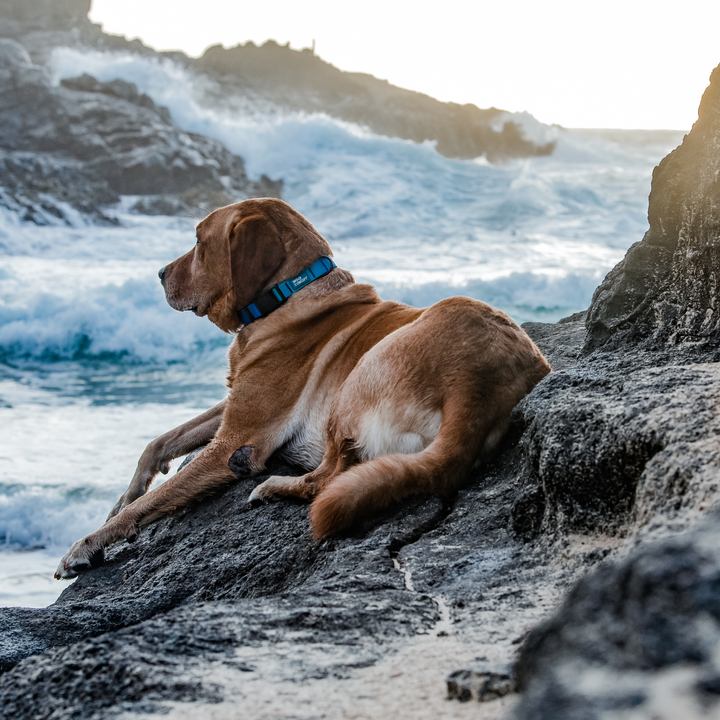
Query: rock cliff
[(279, 78), (664, 295), (637, 458)]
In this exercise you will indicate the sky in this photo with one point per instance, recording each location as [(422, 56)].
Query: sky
[(578, 63)]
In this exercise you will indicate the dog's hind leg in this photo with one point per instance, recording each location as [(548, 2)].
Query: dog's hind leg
[(173, 444), (338, 457), (467, 435)]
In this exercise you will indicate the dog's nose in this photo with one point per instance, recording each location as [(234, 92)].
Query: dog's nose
[(161, 274)]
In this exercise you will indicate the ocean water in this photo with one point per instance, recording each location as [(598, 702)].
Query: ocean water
[(94, 363)]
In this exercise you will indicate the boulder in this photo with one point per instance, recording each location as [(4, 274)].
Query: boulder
[(663, 295), (638, 638)]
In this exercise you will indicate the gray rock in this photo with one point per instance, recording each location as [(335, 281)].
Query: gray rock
[(482, 682), (640, 636), (624, 449), (85, 143), (663, 294), (279, 78)]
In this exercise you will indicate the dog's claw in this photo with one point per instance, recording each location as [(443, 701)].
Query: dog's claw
[(75, 562), (256, 502)]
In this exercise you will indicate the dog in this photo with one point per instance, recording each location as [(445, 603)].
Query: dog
[(376, 399)]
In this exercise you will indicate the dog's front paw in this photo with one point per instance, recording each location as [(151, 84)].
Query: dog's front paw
[(82, 556)]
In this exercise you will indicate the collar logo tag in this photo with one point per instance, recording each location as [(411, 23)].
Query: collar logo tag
[(296, 281)]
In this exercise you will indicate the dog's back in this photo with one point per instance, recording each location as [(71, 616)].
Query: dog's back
[(424, 405)]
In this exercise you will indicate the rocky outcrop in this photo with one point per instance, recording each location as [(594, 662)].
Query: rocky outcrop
[(222, 604), (85, 143), (625, 448), (664, 294), (300, 80), (279, 78)]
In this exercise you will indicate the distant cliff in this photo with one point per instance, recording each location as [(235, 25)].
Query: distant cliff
[(291, 80), (299, 80)]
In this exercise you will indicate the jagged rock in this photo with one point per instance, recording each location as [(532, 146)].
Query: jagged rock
[(664, 294), (641, 636), (619, 442), (280, 78), (118, 88), (211, 652), (625, 448), (222, 604), (86, 142)]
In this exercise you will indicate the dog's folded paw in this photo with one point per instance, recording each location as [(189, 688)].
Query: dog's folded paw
[(262, 494), (253, 503), (259, 501)]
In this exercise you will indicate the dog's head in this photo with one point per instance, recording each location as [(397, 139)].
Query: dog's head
[(241, 250)]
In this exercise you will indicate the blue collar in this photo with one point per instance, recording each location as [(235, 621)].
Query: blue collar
[(272, 298)]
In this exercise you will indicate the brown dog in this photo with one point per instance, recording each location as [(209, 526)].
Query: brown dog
[(377, 399)]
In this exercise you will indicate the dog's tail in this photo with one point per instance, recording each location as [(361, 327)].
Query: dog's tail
[(373, 485)]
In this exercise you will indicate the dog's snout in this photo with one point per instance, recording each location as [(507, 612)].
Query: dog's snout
[(161, 274)]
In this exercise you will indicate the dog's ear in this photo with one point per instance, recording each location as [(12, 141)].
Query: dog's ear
[(256, 254)]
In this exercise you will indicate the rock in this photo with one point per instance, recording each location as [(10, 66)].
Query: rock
[(237, 652), (85, 143), (117, 88), (628, 437), (481, 682), (641, 636), (277, 78), (560, 342), (624, 452), (664, 294), (617, 443), (45, 189), (301, 81)]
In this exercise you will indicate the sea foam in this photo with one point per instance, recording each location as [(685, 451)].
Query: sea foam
[(534, 236)]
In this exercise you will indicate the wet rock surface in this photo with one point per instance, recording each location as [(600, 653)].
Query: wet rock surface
[(261, 603), (84, 143)]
